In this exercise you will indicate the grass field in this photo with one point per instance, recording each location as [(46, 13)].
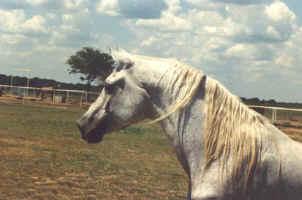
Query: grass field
[(43, 157)]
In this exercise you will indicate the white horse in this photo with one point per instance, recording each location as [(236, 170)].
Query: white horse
[(228, 151)]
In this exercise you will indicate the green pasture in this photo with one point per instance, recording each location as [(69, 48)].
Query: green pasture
[(43, 157)]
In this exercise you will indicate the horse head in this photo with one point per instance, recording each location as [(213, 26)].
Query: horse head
[(122, 102)]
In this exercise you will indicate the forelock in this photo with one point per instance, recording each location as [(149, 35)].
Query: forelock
[(122, 59)]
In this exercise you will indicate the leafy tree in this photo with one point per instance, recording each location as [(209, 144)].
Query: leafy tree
[(91, 63)]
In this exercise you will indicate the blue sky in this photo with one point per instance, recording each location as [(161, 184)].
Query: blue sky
[(254, 47)]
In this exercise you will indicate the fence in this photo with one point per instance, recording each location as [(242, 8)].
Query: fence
[(60, 96), (49, 94), (279, 113)]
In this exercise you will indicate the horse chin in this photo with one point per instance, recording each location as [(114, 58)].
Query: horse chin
[(96, 135), (93, 137)]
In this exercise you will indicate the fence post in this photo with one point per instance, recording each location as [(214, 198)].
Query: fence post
[(274, 115), (81, 99), (53, 96), (86, 93), (67, 97)]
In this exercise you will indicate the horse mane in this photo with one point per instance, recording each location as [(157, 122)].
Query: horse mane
[(233, 133), (184, 84)]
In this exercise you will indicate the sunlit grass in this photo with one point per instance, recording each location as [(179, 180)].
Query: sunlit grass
[(43, 157)]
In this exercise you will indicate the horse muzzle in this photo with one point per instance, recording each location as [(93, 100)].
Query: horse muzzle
[(94, 135)]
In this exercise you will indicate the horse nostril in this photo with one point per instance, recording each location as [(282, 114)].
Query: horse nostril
[(81, 128), (79, 125)]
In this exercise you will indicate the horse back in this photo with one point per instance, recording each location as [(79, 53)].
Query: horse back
[(290, 174)]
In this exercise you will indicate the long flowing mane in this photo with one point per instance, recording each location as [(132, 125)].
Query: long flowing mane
[(233, 134), (183, 84)]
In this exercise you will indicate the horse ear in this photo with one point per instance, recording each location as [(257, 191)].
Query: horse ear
[(203, 85), (204, 80), (113, 53), (128, 65)]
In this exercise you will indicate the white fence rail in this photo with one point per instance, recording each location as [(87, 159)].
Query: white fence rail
[(81, 97), (55, 96), (279, 113)]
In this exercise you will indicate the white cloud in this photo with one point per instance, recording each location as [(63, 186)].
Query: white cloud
[(36, 2), (173, 6), (11, 20), (11, 39), (273, 33), (35, 24), (74, 4), (67, 17), (51, 16), (278, 11), (149, 41), (253, 23), (243, 2), (284, 60), (205, 4), (108, 7), (238, 50), (170, 20), (147, 9), (15, 21)]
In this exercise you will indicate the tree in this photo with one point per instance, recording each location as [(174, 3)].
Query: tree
[(92, 63)]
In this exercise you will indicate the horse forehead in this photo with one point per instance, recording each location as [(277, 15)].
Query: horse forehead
[(115, 76)]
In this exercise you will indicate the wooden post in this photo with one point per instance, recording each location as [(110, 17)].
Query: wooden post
[(67, 97), (86, 97), (274, 115), (53, 96), (81, 100)]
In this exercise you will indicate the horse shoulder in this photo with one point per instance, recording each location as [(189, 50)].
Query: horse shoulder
[(291, 168), (282, 166)]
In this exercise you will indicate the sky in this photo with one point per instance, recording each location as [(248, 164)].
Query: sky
[(253, 47)]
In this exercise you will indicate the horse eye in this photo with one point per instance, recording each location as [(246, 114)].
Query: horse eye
[(107, 107), (109, 89)]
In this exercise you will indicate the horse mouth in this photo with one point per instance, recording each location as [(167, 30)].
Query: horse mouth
[(96, 134), (93, 136)]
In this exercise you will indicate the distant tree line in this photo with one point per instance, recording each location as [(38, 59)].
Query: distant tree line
[(39, 82), (271, 102)]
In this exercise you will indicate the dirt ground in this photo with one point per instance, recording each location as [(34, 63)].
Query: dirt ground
[(291, 128)]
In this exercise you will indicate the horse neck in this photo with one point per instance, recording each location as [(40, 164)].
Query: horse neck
[(184, 127), (152, 75), (156, 78)]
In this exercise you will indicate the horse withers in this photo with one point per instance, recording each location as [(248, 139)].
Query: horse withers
[(228, 151)]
